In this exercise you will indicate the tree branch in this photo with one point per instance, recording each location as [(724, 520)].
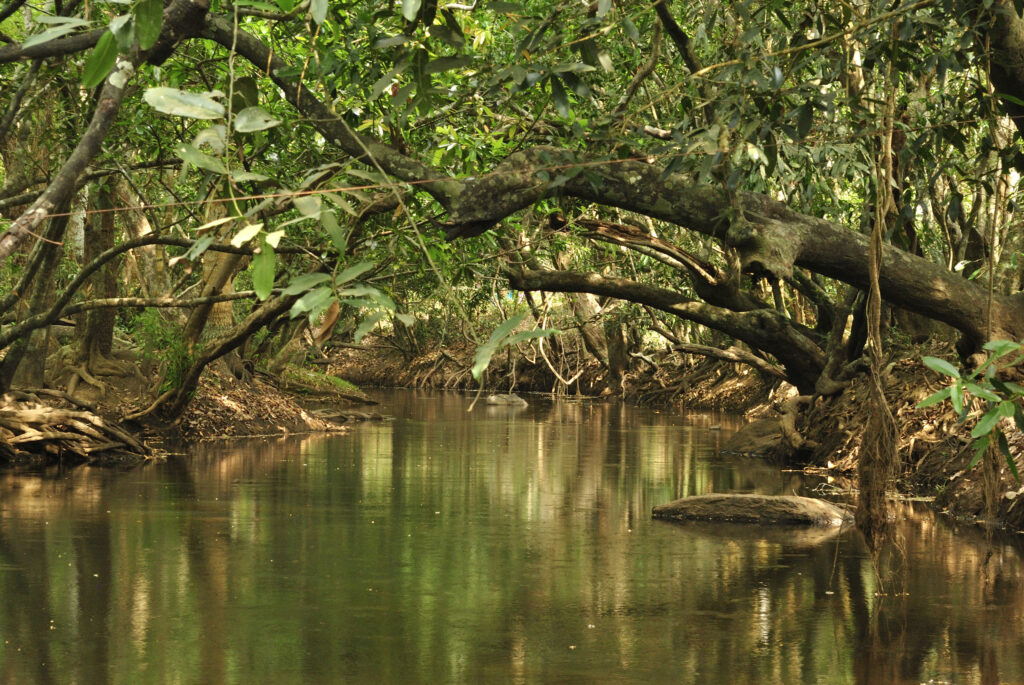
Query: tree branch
[(763, 329), (731, 354)]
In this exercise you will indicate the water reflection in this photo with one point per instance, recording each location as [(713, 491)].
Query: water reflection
[(497, 546)]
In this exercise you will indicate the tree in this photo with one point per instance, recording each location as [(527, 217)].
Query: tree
[(731, 181)]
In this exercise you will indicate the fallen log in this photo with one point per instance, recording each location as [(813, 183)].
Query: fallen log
[(759, 509)]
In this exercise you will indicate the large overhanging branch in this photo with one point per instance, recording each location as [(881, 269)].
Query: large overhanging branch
[(764, 329), (769, 237), (710, 283)]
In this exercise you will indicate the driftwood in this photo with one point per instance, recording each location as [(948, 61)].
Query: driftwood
[(31, 429)]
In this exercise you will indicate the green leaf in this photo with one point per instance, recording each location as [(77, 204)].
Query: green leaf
[(979, 449), (630, 29), (1000, 348), (804, 120), (1004, 447), (934, 398), (410, 8), (367, 325), (243, 176), (244, 93), (313, 303), (301, 284), (985, 424), (941, 366), (204, 161), (263, 271), (318, 10), (183, 104), (149, 19), (559, 96), (61, 29), (982, 392), (353, 272), (956, 396), (101, 61), (254, 119), (441, 64), (334, 232), (406, 319), (246, 233), (123, 28), (386, 80)]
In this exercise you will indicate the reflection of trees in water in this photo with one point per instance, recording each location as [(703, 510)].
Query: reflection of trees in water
[(441, 550)]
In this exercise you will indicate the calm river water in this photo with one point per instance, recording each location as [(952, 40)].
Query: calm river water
[(498, 546)]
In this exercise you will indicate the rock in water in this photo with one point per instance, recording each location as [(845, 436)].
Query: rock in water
[(783, 510), (509, 400)]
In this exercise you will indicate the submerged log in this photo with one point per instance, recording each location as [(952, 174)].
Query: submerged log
[(762, 509)]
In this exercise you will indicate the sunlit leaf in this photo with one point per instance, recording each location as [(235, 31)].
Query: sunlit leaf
[(246, 233), (182, 103), (318, 10), (254, 119), (199, 159), (51, 34), (308, 205), (274, 238), (410, 8), (123, 28)]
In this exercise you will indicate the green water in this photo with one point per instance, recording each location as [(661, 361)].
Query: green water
[(501, 546)]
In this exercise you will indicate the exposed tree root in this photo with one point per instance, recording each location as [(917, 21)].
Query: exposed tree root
[(30, 430)]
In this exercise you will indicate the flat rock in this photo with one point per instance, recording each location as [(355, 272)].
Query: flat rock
[(509, 400), (762, 509)]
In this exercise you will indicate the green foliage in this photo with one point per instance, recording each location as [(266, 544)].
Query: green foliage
[(162, 344), (1002, 399), (503, 336)]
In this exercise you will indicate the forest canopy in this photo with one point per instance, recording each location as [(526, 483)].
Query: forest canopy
[(713, 174)]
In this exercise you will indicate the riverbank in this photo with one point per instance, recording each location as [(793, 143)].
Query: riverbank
[(825, 437), (934, 445)]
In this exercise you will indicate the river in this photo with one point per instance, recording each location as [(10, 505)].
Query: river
[(498, 546)]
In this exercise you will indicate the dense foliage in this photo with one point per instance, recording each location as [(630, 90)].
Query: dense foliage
[(703, 173)]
